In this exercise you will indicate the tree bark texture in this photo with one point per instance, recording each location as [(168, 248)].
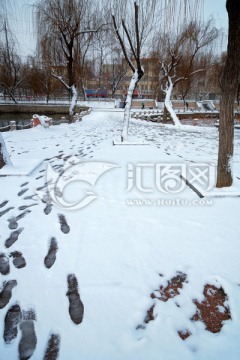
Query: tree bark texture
[(229, 84)]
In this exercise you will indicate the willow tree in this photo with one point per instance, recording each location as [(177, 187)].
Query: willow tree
[(183, 44), (62, 27), (184, 55), (229, 86), (4, 41), (10, 62), (133, 24)]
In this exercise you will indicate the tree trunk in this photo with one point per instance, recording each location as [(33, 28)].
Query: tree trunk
[(168, 105), (229, 84), (136, 77), (83, 90), (4, 157), (74, 95), (165, 114)]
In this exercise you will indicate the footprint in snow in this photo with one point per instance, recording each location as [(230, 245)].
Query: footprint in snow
[(26, 207), (18, 260), (64, 225), (6, 293), (53, 346), (12, 223), (11, 321), (13, 237), (76, 307), (4, 203), (48, 209), (30, 197), (22, 215), (5, 211), (28, 342), (4, 264), (13, 220), (51, 255), (25, 184), (22, 191), (39, 177)]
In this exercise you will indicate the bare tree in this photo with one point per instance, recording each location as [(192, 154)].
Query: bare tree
[(38, 80), (118, 72), (4, 47), (10, 62), (181, 57), (61, 25), (132, 37), (229, 85)]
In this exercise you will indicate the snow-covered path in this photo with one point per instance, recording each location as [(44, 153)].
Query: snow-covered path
[(120, 248)]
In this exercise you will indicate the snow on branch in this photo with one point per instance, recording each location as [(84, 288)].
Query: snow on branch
[(59, 78)]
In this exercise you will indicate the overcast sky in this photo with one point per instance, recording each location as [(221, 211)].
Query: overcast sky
[(21, 16)]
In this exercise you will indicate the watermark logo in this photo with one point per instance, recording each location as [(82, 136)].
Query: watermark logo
[(168, 202), (169, 178), (202, 175), (146, 178), (74, 171)]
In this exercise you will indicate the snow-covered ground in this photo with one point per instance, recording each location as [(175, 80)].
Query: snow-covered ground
[(134, 236)]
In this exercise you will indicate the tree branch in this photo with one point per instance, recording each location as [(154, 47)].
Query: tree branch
[(122, 44)]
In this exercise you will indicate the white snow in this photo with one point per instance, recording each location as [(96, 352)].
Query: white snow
[(120, 243), (74, 99), (42, 119), (20, 167), (4, 151), (127, 109), (169, 89)]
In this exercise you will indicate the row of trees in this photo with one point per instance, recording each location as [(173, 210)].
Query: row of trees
[(71, 31), (75, 40)]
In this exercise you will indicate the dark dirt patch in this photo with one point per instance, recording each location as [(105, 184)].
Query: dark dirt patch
[(4, 264), (150, 316), (76, 308), (184, 334), (13, 237), (51, 255), (18, 260), (64, 225), (11, 321), (53, 347), (172, 288), (212, 311), (164, 294), (6, 292)]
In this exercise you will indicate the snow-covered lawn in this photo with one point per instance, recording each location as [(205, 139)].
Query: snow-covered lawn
[(121, 247)]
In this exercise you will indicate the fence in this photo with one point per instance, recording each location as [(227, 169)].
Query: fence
[(13, 125)]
